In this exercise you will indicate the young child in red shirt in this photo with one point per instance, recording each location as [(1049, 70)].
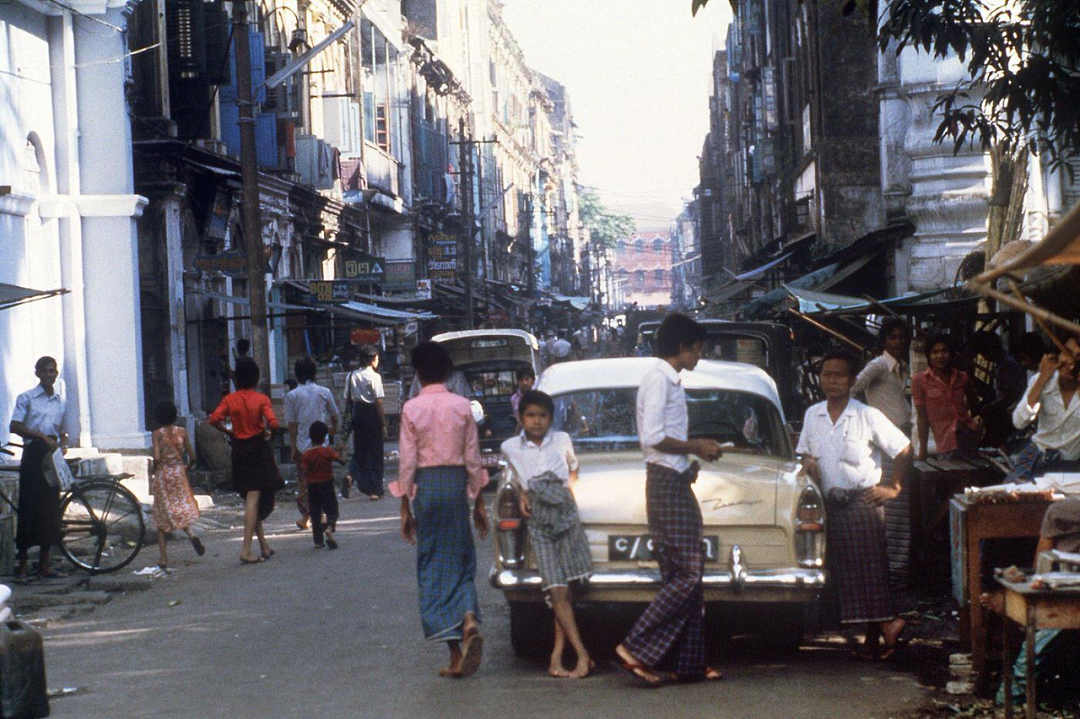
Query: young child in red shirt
[(318, 463)]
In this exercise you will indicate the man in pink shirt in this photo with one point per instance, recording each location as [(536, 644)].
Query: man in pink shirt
[(438, 473)]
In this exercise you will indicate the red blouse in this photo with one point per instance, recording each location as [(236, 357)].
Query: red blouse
[(250, 412)]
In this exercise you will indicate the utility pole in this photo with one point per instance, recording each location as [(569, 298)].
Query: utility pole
[(249, 169), (465, 162), (530, 250)]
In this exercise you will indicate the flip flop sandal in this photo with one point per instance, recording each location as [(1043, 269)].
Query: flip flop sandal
[(699, 678), (472, 653), (632, 669), (257, 560)]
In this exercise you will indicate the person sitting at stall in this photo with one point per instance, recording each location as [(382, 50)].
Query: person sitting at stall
[(995, 410), (884, 379), (1052, 398), (940, 396), (1057, 651)]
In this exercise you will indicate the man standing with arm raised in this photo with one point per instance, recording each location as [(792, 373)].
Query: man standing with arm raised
[(675, 619)]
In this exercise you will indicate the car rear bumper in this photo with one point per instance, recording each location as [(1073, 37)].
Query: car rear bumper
[(788, 584)]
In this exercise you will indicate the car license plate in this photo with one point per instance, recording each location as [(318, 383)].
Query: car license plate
[(489, 460), (639, 547)]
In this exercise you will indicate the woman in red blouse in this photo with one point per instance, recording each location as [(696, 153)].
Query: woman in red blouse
[(940, 397), (255, 475)]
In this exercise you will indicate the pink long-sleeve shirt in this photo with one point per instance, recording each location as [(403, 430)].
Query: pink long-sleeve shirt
[(437, 430)]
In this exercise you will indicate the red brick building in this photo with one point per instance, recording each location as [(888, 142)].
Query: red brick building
[(643, 267)]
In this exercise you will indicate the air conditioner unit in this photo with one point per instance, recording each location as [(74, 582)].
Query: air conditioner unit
[(315, 162)]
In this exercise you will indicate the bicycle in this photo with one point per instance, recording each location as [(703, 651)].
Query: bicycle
[(101, 522)]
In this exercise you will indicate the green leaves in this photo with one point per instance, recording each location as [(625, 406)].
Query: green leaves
[(1023, 64), (605, 227)]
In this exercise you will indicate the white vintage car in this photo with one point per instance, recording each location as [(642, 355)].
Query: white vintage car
[(764, 521)]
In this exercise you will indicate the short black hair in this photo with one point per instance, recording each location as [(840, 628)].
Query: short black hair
[(247, 373), (526, 372), (891, 324), (367, 354), (839, 353), (305, 369), (243, 346), (317, 433), (536, 398), (675, 333), (44, 362), (940, 338), (432, 362), (1030, 344), (165, 413)]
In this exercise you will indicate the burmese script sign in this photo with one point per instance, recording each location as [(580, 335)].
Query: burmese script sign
[(442, 259), (329, 290), (365, 268)]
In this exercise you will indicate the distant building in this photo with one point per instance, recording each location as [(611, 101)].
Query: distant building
[(643, 266)]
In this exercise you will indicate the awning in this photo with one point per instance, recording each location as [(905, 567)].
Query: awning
[(379, 315), (578, 303), (811, 301), (752, 274), (12, 295), (1061, 246), (726, 292), (245, 302)]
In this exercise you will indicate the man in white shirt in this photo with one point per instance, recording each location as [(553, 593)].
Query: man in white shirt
[(305, 405), (842, 441), (1053, 399), (884, 379), (39, 419), (674, 621), (560, 350), (364, 397)]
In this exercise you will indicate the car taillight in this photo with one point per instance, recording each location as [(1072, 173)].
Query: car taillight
[(810, 528), (508, 521)]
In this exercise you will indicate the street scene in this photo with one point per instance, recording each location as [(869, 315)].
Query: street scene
[(616, 358)]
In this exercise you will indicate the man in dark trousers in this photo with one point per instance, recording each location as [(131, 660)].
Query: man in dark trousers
[(38, 418), (674, 621)]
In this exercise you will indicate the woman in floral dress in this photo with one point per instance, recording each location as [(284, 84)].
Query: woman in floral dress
[(174, 504)]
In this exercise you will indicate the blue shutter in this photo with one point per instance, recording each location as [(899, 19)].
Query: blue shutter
[(266, 148)]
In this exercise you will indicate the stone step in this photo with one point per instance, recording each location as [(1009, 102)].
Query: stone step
[(32, 602), (119, 583)]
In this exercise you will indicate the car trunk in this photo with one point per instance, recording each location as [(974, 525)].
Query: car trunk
[(737, 490)]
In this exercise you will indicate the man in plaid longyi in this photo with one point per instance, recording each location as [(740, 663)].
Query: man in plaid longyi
[(674, 621)]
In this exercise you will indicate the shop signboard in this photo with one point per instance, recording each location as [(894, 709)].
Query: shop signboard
[(231, 262), (400, 276), (329, 290), (442, 259), (365, 268), (361, 337)]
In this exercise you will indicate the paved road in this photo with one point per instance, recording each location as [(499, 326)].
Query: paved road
[(337, 634)]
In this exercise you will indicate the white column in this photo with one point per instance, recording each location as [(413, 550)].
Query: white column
[(110, 244)]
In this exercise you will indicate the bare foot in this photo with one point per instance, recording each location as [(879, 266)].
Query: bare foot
[(449, 671), (583, 669), (556, 669), (470, 626), (890, 632), (631, 664)]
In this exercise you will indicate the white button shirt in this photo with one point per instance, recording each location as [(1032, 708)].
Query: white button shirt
[(364, 385), (41, 412), (848, 452), (305, 405), (661, 412), (554, 454), (1059, 426), (884, 382)]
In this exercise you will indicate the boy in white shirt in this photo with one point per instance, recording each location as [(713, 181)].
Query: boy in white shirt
[(544, 466), (841, 443)]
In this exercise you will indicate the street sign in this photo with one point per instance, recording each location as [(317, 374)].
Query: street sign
[(329, 290), (365, 268)]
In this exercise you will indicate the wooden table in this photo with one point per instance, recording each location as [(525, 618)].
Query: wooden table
[(971, 523), (1033, 609), (934, 482)]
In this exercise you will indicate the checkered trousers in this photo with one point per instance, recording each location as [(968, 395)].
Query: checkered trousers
[(675, 620), (556, 536)]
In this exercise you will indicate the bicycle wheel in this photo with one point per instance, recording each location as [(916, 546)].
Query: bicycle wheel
[(101, 527)]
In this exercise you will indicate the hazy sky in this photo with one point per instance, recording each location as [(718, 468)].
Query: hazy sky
[(638, 74)]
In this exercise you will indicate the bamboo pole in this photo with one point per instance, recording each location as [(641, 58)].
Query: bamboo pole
[(823, 328), (1024, 306), (1041, 323)]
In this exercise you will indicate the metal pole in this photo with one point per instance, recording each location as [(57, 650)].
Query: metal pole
[(465, 160), (249, 168)]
